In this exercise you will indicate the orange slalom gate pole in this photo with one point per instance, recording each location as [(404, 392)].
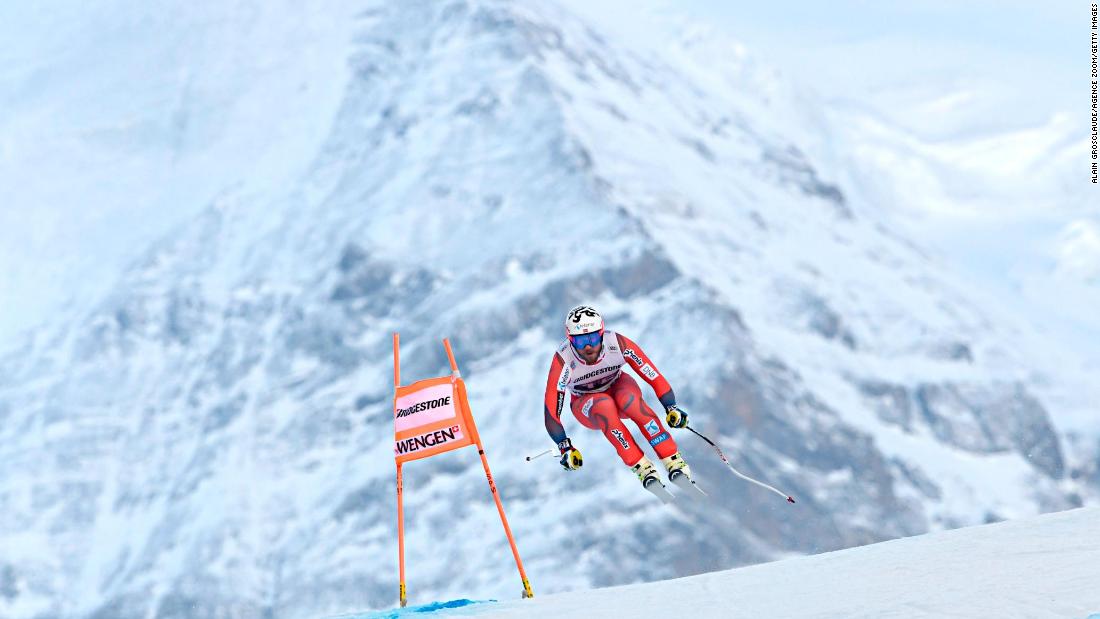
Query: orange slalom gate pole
[(400, 498), (527, 593), (401, 540)]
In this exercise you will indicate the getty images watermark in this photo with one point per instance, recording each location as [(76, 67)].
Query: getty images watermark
[(1094, 85)]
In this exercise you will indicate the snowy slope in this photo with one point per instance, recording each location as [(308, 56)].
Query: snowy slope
[(211, 437), (1045, 566)]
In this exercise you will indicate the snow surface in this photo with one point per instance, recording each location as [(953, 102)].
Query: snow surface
[(1045, 566)]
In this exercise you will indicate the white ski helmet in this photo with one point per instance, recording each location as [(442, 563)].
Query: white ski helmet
[(583, 319)]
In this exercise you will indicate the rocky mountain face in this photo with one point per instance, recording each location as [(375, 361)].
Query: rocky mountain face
[(213, 437)]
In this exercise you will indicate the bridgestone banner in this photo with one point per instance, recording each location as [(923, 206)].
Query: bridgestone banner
[(429, 418), (424, 407)]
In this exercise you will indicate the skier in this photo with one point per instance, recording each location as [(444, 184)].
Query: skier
[(589, 365)]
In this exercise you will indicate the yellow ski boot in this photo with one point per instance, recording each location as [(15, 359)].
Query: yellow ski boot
[(647, 474)]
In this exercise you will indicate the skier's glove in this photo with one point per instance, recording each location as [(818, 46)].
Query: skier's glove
[(676, 416), (571, 458)]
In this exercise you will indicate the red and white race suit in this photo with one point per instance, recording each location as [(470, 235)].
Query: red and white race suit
[(602, 396)]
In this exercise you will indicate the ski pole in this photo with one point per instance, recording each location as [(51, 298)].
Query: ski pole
[(539, 455), (735, 471)]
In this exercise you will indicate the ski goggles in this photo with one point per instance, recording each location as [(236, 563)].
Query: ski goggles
[(588, 339)]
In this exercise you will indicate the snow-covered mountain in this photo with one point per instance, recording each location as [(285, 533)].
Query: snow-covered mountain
[(212, 438), (1032, 567)]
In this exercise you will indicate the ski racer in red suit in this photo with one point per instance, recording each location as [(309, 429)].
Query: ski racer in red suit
[(588, 365)]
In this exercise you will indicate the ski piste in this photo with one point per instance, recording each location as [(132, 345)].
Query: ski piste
[(447, 608), (1031, 567)]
